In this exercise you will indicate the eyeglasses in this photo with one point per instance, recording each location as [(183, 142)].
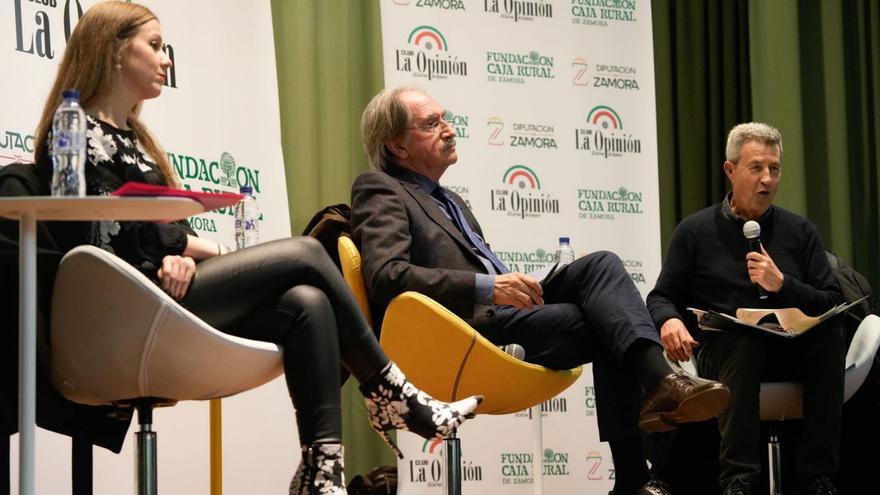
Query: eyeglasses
[(434, 125)]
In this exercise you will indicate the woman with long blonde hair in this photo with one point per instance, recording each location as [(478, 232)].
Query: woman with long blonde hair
[(286, 291)]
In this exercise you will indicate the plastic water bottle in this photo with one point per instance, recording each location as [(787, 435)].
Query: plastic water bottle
[(68, 147), (247, 220), (564, 253)]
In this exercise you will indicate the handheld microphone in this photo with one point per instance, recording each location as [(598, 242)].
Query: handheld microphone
[(752, 232), (515, 350)]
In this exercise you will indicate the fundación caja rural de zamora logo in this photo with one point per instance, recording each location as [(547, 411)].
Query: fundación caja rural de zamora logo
[(521, 195), (222, 175), (532, 135), (605, 204), (527, 262), (436, 4), (427, 55), (519, 10), (517, 468), (604, 135), (459, 122), (555, 463), (601, 12), (516, 68), (610, 76)]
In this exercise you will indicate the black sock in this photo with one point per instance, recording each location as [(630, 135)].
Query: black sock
[(630, 468), (646, 357)]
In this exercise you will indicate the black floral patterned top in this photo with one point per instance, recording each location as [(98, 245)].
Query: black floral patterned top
[(113, 157)]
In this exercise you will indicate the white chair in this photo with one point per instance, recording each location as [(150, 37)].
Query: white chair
[(781, 401), (118, 339)]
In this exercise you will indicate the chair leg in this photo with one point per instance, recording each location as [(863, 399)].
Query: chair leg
[(774, 454), (452, 454), (4, 464), (538, 450), (81, 466), (147, 476)]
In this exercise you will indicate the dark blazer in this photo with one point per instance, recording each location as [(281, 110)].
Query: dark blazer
[(408, 243), (103, 426)]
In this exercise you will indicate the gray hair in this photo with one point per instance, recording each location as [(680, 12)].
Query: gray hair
[(752, 131), (384, 118)]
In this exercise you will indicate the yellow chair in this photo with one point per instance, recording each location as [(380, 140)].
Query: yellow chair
[(448, 359)]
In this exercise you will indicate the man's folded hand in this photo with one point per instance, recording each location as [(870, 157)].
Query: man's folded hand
[(518, 289)]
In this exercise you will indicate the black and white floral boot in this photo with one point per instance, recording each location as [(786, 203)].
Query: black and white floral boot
[(395, 403), (320, 471)]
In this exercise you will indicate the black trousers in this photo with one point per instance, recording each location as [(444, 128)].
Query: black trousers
[(742, 361), (290, 293), (592, 314)]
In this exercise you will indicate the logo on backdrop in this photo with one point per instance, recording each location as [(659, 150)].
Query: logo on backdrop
[(42, 25), (555, 463), (460, 123), (436, 4), (602, 12), (531, 135), (604, 135), (16, 147), (496, 126), (463, 191), (516, 468), (521, 195), (594, 466), (636, 272), (427, 56), (432, 445), (579, 68), (620, 77), (428, 469), (519, 10), (556, 405), (525, 262), (605, 204), (590, 400), (222, 175), (517, 68)]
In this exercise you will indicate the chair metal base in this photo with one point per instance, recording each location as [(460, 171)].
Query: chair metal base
[(81, 466), (452, 455), (146, 449), (774, 465)]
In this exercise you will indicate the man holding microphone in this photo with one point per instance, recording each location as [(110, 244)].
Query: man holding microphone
[(710, 266)]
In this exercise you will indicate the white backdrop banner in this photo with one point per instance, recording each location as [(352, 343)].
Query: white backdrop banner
[(217, 119), (553, 104)]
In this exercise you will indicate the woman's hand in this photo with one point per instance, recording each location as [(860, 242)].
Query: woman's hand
[(202, 249), (175, 274)]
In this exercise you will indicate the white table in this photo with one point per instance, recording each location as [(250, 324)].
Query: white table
[(27, 210)]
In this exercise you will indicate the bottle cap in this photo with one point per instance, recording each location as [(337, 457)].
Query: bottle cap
[(246, 189), (565, 240), (70, 94)]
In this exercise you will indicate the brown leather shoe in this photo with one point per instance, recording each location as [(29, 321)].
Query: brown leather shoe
[(682, 399)]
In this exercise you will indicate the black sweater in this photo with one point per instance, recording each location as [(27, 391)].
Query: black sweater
[(705, 267)]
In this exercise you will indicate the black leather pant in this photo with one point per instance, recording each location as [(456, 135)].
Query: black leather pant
[(290, 293)]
